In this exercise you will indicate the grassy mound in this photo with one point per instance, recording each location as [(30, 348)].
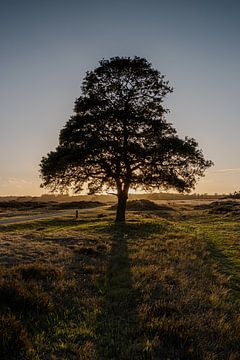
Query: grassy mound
[(143, 205), (221, 207), (225, 207)]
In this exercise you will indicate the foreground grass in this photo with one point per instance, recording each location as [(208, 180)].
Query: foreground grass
[(155, 288)]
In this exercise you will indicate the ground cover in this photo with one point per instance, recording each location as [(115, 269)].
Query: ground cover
[(163, 286), (15, 208)]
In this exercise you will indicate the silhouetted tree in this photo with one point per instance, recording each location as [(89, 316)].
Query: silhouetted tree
[(118, 136)]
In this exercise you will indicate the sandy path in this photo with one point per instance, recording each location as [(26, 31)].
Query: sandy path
[(18, 219)]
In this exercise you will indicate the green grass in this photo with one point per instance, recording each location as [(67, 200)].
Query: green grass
[(154, 288)]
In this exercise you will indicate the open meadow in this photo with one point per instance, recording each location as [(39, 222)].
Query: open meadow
[(165, 285)]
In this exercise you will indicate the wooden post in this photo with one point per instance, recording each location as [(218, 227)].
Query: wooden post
[(76, 214)]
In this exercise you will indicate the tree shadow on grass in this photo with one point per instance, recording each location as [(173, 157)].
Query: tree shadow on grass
[(119, 335), (117, 323), (136, 230), (120, 331)]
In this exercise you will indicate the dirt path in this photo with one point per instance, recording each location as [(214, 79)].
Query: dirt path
[(45, 216)]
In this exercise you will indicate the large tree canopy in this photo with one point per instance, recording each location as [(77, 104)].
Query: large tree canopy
[(118, 136)]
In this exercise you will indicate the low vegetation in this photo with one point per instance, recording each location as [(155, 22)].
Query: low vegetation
[(143, 205), (30, 205), (161, 286)]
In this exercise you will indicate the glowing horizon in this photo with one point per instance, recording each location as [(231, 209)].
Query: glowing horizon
[(212, 183), (46, 49)]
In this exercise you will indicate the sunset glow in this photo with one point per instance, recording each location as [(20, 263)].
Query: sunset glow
[(47, 47)]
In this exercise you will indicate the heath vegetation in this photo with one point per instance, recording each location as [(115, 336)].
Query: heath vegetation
[(164, 285)]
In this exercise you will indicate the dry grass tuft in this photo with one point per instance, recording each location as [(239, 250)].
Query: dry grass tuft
[(19, 296), (14, 341), (37, 271)]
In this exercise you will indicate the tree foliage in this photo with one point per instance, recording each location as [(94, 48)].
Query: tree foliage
[(119, 137)]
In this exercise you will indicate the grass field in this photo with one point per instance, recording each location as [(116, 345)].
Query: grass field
[(166, 285)]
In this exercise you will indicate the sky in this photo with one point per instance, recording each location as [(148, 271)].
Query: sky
[(47, 46)]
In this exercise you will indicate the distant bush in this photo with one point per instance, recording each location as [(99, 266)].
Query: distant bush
[(14, 341)]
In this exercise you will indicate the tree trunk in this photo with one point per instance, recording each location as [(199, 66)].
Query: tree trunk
[(121, 206)]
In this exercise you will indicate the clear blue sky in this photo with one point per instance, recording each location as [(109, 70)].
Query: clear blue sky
[(48, 45)]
